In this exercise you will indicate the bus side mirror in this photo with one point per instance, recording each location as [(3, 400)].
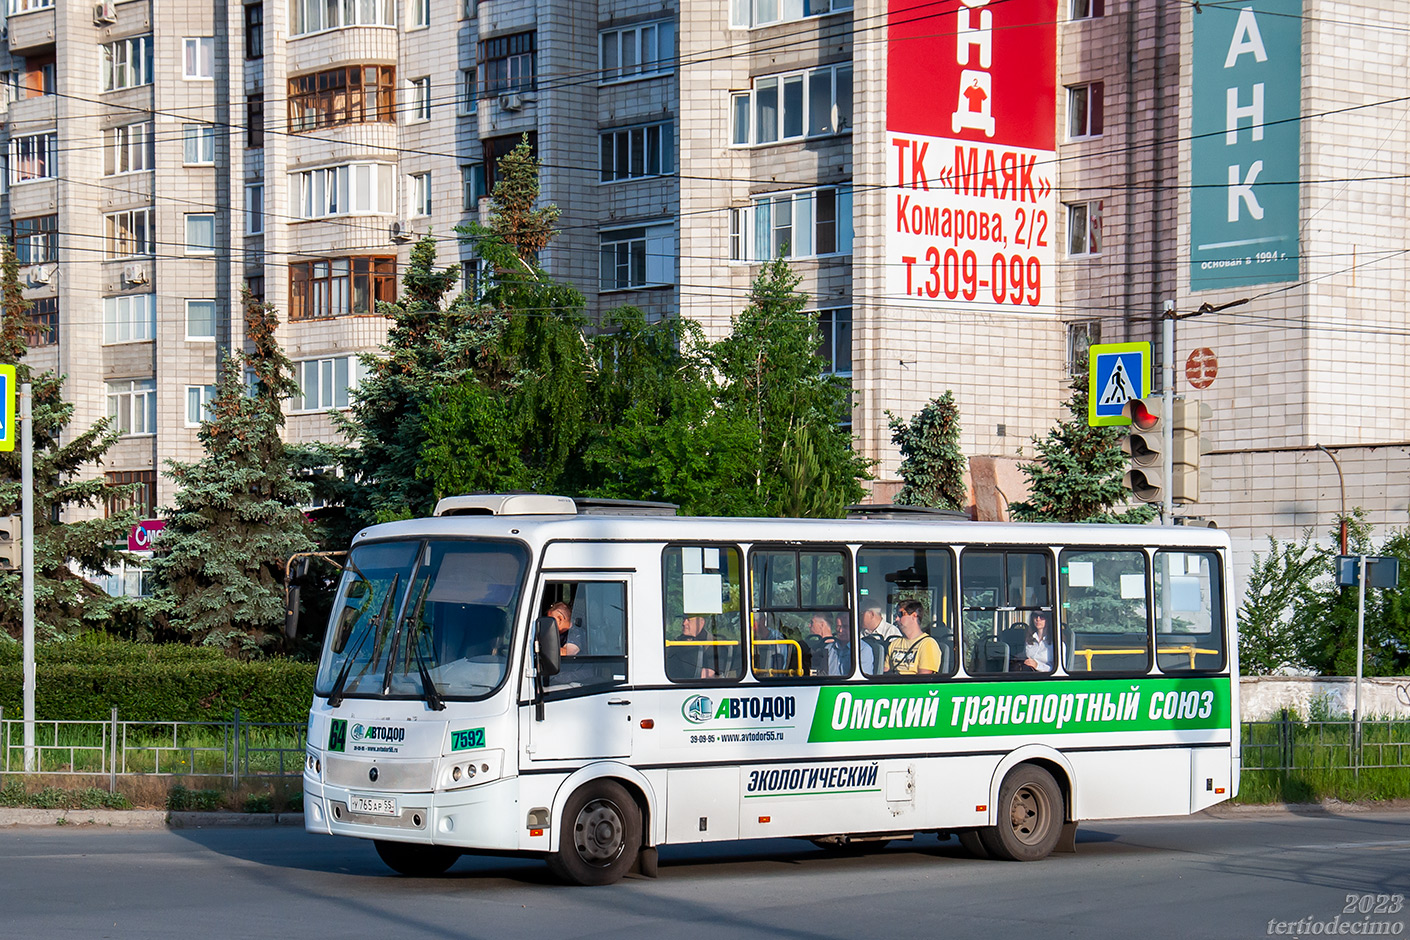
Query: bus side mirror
[(291, 611), (550, 657)]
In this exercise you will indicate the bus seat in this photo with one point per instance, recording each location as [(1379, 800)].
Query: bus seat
[(878, 651), (994, 656), (947, 656)]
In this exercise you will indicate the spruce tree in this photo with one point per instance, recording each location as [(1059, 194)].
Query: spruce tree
[(1077, 476), (67, 481), (932, 465), (237, 517)]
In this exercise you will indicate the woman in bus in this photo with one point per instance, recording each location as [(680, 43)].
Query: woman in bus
[(1038, 647)]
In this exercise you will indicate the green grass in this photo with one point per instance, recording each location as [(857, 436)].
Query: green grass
[(13, 794), (1309, 761)]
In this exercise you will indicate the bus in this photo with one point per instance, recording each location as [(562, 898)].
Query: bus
[(585, 681)]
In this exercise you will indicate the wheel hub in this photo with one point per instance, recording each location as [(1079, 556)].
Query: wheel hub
[(599, 832)]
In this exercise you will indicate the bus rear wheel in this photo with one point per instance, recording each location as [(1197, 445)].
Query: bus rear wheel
[(1030, 815), (418, 861), (601, 835)]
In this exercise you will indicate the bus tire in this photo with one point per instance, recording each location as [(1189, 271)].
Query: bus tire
[(601, 835), (1029, 816), (417, 861)]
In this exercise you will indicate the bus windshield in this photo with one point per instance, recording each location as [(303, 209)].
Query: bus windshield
[(412, 611)]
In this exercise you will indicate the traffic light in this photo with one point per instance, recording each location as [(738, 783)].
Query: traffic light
[(1189, 445), (1145, 445)]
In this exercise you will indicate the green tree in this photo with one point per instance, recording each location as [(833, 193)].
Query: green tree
[(1271, 616), (237, 518), (67, 481), (932, 464), (1077, 476)]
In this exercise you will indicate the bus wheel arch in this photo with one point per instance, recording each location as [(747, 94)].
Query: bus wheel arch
[(1051, 760), (1030, 807), (603, 826)]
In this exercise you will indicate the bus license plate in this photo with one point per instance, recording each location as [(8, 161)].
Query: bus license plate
[(373, 805)]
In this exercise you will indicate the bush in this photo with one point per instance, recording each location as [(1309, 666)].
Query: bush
[(258, 803)]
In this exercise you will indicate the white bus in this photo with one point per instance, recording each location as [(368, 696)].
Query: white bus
[(585, 682)]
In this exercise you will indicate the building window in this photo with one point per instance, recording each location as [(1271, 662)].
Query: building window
[(25, 6), (469, 101), (420, 14), (1084, 228), (129, 318), (360, 94), (644, 256), (198, 144), (1086, 9), (128, 149), (835, 327), (254, 31), (311, 16), (1081, 337), (1084, 110), (254, 209), (638, 51), (326, 383), (140, 495), (198, 404), (126, 63), (255, 282), (472, 186), (200, 319), (495, 149), (418, 194), (800, 224), (200, 233), (746, 13), (37, 77), (365, 188), (421, 99), (506, 64), (132, 406), (129, 233), (198, 58), (254, 121), (634, 152), (36, 239), (34, 157), (42, 323), (336, 287), (811, 103)]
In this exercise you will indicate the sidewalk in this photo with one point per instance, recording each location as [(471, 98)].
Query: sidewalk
[(143, 819)]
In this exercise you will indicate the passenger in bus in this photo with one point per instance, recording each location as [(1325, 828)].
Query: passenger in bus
[(572, 640), (874, 624), (772, 655), (1038, 647), (696, 660), (830, 656), (914, 652)]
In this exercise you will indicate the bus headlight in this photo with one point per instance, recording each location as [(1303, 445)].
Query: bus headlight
[(313, 765)]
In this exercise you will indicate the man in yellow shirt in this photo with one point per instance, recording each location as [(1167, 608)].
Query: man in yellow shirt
[(914, 652)]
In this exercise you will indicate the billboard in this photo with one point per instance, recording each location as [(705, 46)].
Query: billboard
[(970, 195), (1245, 110)]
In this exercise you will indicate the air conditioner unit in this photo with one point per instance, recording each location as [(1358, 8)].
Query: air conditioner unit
[(104, 14), (400, 231), (134, 273), (40, 274), (513, 102)]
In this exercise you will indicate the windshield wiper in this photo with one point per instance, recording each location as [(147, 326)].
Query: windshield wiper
[(335, 697), (413, 622)]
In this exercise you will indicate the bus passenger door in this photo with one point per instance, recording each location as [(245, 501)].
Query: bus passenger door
[(587, 711)]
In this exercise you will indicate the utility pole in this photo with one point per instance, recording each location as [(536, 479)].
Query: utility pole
[(27, 563)]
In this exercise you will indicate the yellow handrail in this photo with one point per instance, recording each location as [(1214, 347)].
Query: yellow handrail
[(1191, 651), (783, 641)]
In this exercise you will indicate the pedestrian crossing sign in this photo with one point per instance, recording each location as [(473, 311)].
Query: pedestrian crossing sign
[(7, 407), (1116, 373)]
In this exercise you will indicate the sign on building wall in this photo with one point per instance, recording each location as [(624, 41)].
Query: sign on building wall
[(970, 194), (1245, 100)]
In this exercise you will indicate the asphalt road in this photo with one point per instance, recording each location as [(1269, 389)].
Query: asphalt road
[(1176, 878)]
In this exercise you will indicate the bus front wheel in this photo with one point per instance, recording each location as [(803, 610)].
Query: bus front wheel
[(601, 835), (1030, 815), (418, 861)]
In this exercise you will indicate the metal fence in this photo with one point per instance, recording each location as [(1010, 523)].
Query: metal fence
[(234, 748), (1291, 744)]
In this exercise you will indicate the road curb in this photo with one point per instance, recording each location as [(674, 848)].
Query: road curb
[(143, 819)]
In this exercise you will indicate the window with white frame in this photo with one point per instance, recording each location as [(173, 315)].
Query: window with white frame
[(129, 233), (200, 233), (507, 64), (420, 14), (1084, 110), (642, 256), (25, 6), (638, 51), (799, 224), (127, 148), (1084, 228), (835, 329), (132, 405), (1085, 9), (311, 16), (810, 103), (746, 13), (366, 188), (129, 318), (126, 63), (198, 58), (34, 157), (198, 144), (1081, 337), (200, 319), (472, 185), (254, 208), (420, 99), (418, 194), (199, 399), (629, 153), (326, 383), (469, 101)]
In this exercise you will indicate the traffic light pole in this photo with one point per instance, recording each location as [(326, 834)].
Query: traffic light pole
[(27, 565), (1167, 504)]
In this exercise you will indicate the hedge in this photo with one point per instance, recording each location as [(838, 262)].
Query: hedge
[(82, 680)]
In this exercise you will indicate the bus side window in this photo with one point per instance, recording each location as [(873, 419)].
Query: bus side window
[(702, 638), (802, 618), (1105, 611), (887, 575), (1189, 611), (596, 620), (1004, 591)]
